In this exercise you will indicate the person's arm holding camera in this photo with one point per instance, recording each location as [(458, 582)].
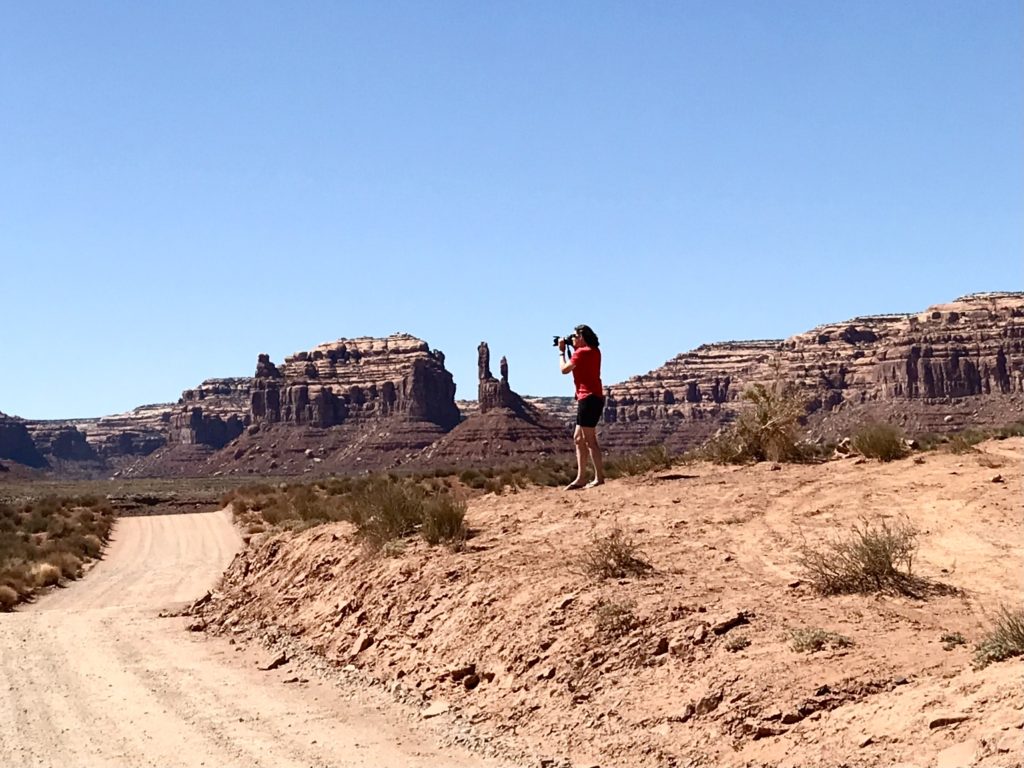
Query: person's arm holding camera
[(565, 363)]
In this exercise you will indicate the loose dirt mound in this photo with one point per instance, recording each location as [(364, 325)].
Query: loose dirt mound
[(692, 664)]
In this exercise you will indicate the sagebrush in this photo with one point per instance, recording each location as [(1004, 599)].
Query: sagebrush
[(383, 508), (872, 557), (43, 541), (613, 555), (881, 441), (613, 619), (1004, 640), (813, 639), (767, 430)]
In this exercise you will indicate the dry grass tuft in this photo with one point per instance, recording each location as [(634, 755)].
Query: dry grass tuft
[(880, 441), (768, 430), (964, 442), (69, 565), (614, 619), (951, 640), (874, 557), (1004, 641), (653, 457), (444, 519), (383, 510), (614, 556), (8, 597), (46, 574), (737, 643), (813, 639)]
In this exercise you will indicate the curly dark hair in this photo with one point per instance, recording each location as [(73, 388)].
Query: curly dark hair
[(588, 335)]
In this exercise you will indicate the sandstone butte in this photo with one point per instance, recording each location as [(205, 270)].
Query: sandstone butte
[(366, 403)]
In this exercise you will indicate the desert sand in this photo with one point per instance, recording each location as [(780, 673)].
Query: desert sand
[(502, 645), (703, 671)]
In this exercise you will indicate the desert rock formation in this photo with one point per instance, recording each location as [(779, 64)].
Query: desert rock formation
[(16, 443), (109, 440), (504, 429), (356, 379), (212, 414), (953, 365), (366, 403), (348, 405)]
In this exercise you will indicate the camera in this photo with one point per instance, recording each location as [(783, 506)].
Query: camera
[(567, 339)]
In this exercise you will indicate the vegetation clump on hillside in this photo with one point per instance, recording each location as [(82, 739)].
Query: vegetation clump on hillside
[(45, 541), (881, 441), (387, 507), (768, 430), (383, 508), (872, 557), (614, 555), (1004, 641)]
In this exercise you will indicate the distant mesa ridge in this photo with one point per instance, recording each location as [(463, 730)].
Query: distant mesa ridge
[(356, 379), (365, 403), (962, 359)]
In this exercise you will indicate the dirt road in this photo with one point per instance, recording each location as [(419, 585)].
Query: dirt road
[(92, 676)]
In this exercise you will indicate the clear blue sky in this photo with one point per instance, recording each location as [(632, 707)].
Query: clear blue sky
[(184, 185)]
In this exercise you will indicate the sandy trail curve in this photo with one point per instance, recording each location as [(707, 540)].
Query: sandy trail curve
[(92, 676)]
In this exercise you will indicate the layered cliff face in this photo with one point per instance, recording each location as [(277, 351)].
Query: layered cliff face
[(351, 404), (687, 399), (108, 438), (367, 403), (954, 365), (16, 443), (356, 379), (213, 414)]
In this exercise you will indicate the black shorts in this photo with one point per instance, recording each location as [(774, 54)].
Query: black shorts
[(588, 410)]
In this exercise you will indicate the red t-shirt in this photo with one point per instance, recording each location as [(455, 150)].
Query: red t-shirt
[(586, 373)]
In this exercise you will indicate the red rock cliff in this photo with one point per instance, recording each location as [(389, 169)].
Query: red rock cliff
[(953, 365)]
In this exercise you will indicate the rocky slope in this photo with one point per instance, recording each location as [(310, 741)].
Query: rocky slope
[(954, 365), (695, 662)]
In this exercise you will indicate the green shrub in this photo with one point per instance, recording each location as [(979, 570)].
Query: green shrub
[(1014, 429), (767, 430), (444, 520), (964, 442), (1005, 640), (654, 457), (383, 510), (872, 558), (614, 556), (880, 441), (737, 643), (614, 619), (951, 640), (812, 639), (929, 441)]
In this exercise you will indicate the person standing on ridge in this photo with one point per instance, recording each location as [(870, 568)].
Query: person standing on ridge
[(585, 366)]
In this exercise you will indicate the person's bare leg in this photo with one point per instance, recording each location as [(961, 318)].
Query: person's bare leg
[(581, 459), (590, 435)]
